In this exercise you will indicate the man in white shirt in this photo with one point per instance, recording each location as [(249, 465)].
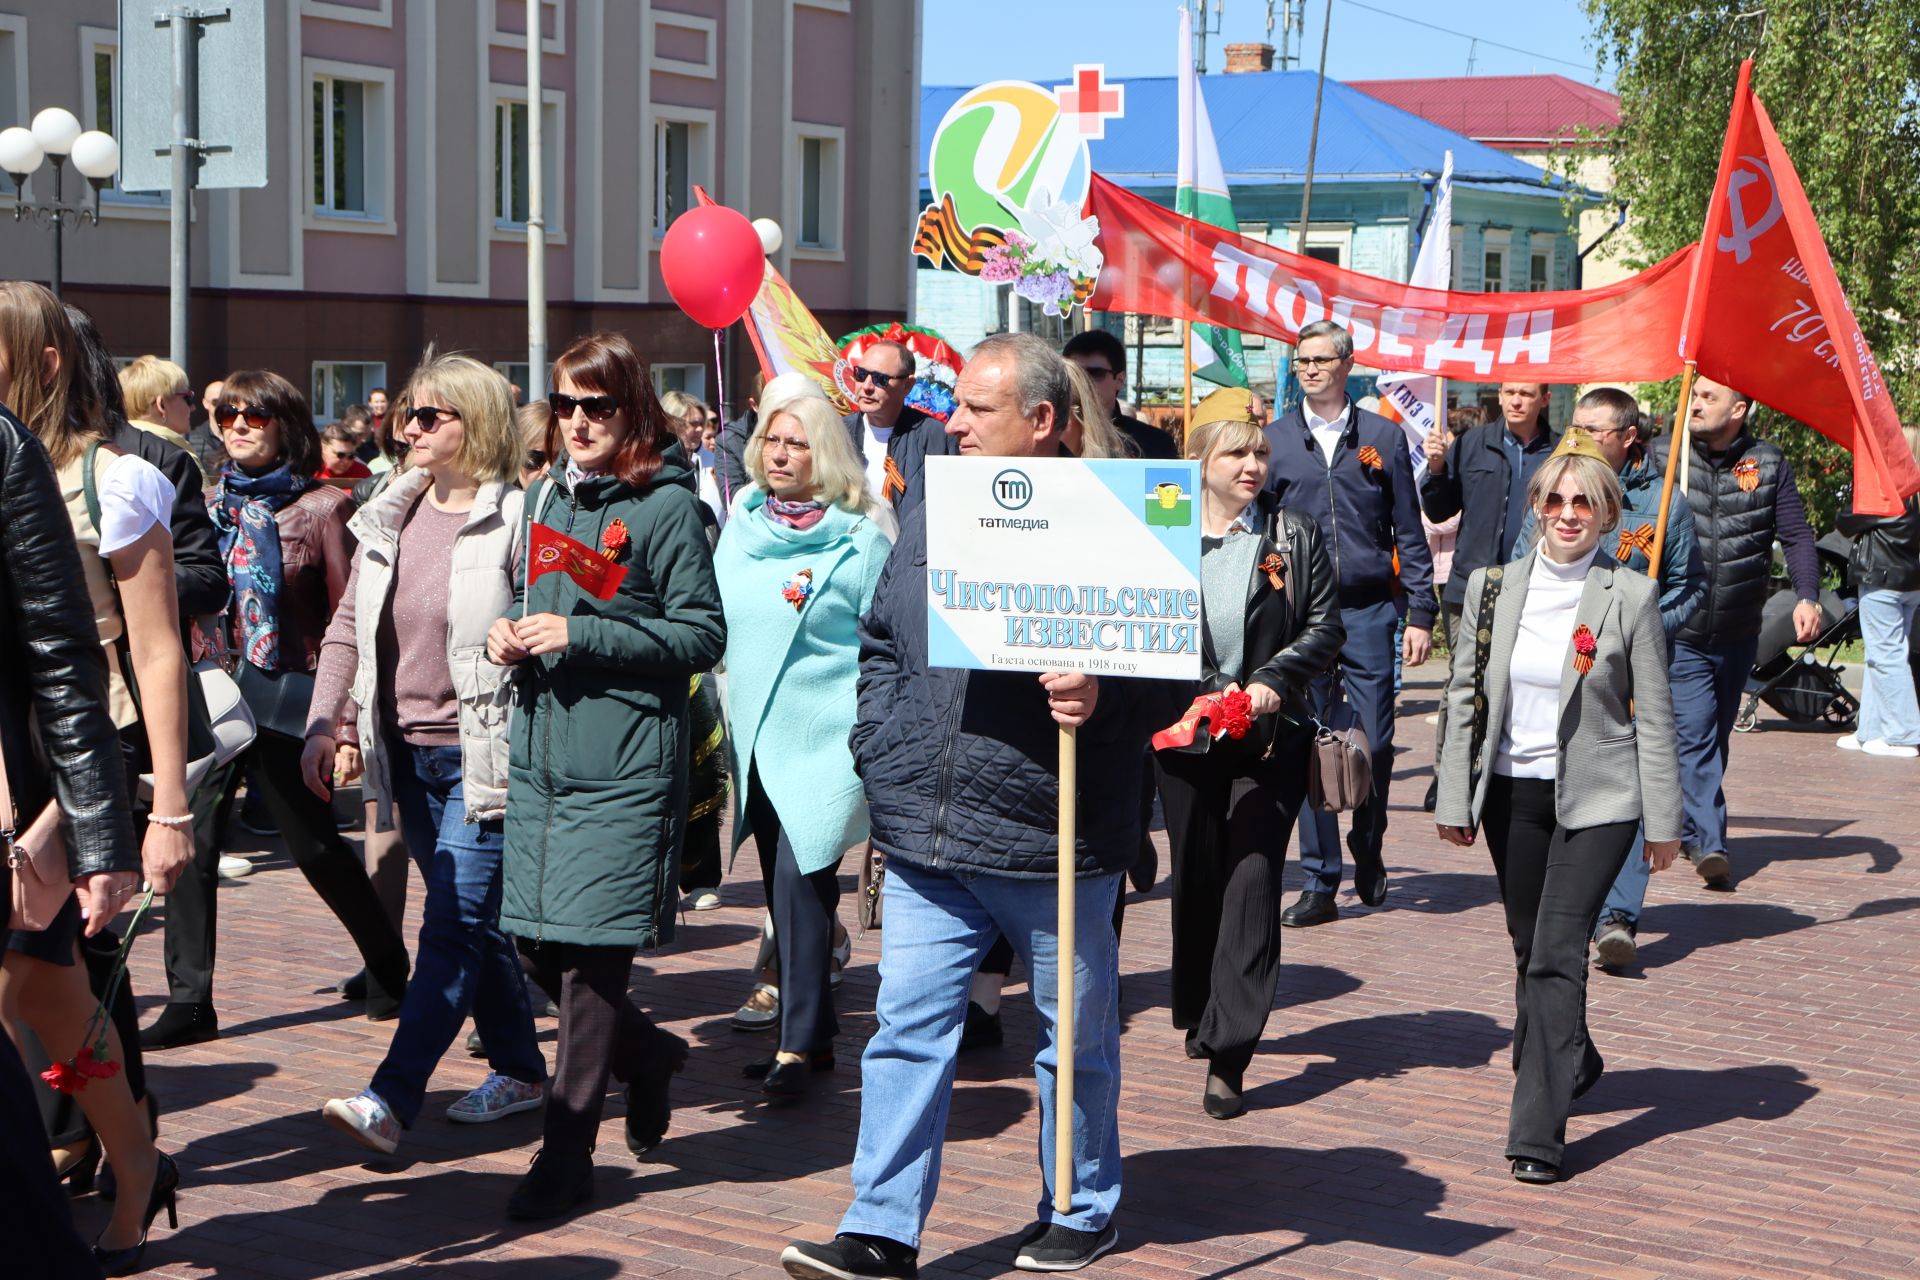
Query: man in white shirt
[(889, 436)]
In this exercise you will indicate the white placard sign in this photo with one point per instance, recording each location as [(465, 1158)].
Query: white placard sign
[(1064, 564)]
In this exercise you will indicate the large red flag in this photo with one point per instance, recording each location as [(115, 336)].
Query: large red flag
[(551, 551), (1766, 314)]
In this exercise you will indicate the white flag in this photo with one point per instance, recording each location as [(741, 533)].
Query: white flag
[(1409, 398)]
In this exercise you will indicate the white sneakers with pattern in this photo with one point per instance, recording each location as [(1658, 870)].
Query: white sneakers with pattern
[(497, 1096), (366, 1119)]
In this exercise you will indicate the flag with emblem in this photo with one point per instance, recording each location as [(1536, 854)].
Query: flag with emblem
[(1202, 195), (551, 551)]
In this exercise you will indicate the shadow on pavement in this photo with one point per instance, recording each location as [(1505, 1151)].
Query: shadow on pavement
[(1679, 1101), (1443, 892), (1377, 1048), (1688, 927), (1750, 853)]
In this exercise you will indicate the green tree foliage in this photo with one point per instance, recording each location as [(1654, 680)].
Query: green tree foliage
[(1841, 81)]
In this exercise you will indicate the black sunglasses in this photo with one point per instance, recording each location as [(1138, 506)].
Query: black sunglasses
[(429, 417), (599, 408), (878, 379), (536, 459), (256, 417)]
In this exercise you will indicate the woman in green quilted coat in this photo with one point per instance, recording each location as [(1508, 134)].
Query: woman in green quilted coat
[(597, 775)]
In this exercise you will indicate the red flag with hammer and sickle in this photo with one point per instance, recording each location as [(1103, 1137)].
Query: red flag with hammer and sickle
[(551, 551)]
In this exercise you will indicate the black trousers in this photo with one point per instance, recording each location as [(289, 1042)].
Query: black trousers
[(700, 858), (1553, 882), (602, 1033), (328, 862), (804, 906), (192, 907), (1228, 828)]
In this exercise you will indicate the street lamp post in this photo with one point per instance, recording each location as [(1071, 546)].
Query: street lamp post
[(56, 135)]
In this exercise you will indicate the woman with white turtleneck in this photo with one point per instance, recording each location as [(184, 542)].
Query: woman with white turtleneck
[(1559, 744)]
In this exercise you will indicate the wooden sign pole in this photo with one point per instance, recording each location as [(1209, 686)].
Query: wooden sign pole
[(1064, 953)]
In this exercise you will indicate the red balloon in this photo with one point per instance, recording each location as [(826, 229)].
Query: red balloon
[(713, 264)]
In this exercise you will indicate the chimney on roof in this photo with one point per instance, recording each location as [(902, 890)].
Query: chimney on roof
[(1242, 58)]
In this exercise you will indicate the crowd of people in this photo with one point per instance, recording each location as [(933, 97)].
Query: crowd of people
[(555, 752)]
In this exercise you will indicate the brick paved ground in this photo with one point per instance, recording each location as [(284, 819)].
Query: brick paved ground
[(1761, 1116)]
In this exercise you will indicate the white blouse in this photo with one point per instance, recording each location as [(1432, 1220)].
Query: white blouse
[(1530, 739), (134, 497)]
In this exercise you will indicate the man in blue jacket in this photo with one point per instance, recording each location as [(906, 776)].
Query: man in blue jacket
[(1606, 425), (1349, 469), (963, 792)]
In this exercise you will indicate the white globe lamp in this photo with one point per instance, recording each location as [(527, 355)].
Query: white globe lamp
[(20, 151), (97, 156), (56, 129)]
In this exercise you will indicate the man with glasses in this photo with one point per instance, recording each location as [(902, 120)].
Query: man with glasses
[(1349, 469), (1104, 358), (893, 439), (1606, 425)]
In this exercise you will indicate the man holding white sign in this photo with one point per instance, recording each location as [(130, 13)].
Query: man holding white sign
[(959, 769)]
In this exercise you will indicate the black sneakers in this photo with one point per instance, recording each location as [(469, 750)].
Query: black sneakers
[(1052, 1247), (847, 1257), (982, 1030)]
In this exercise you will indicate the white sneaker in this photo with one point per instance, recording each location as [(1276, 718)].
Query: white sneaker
[(1849, 743), (496, 1097), (232, 868), (1881, 747), (366, 1119), (705, 900)]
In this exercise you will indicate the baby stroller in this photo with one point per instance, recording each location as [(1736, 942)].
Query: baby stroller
[(1807, 688)]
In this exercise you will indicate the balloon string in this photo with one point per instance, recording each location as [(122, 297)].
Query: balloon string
[(720, 383)]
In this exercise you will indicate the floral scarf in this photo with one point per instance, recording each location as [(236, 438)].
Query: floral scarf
[(245, 510), (795, 515)]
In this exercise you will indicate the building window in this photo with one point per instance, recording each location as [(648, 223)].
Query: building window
[(820, 187), (515, 372), (104, 71), (672, 180), (690, 378), (510, 171), (1540, 273), (1493, 271), (340, 111), (337, 384)]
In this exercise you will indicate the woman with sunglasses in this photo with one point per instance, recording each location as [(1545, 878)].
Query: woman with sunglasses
[(437, 563), (597, 779), (119, 517), (288, 555), (1559, 744)]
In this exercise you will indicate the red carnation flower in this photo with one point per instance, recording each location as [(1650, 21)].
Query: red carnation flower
[(1236, 714), (615, 539)]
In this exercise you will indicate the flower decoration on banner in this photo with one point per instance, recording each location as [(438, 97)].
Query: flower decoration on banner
[(615, 539), (92, 1061), (1584, 648), (939, 363), (798, 589), (1747, 473), (1046, 273), (1274, 567), (1370, 457)]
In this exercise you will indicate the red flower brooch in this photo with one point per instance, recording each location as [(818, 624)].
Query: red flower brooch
[(1583, 649), (615, 540), (1370, 457), (1273, 566), (1747, 473), (798, 590)]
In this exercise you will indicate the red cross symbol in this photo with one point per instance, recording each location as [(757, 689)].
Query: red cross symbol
[(1090, 101)]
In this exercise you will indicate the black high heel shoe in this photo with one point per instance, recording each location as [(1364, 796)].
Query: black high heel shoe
[(109, 1187), (131, 1260), (79, 1175)]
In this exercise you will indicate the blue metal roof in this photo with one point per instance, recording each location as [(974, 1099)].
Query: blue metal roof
[(1261, 121)]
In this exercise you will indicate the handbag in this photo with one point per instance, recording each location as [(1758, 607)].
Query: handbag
[(1340, 760), (38, 859), (278, 700)]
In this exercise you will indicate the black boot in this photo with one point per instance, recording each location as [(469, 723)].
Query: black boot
[(554, 1185), (180, 1024), (649, 1095)]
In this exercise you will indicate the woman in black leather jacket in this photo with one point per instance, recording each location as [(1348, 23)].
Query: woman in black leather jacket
[(1272, 623), (53, 669)]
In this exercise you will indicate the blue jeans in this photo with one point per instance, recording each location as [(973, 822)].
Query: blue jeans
[(1366, 667), (1708, 684), (939, 925), (463, 964), (1888, 709), (1629, 892)]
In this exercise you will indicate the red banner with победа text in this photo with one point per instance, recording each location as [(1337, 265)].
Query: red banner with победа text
[(1161, 264)]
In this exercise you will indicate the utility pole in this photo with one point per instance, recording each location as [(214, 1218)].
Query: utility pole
[(181, 155), (536, 213), (1313, 139)]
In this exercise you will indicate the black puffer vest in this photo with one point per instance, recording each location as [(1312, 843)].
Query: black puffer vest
[(1732, 494)]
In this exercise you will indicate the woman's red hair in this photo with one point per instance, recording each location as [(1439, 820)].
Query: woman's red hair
[(607, 364)]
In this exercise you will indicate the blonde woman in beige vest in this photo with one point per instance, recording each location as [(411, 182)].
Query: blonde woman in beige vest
[(127, 558)]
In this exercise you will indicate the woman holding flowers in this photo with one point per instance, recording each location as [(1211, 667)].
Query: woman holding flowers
[(597, 772), (439, 558), (797, 568), (1271, 624), (1559, 744)]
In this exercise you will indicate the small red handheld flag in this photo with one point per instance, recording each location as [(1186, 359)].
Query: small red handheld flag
[(551, 551)]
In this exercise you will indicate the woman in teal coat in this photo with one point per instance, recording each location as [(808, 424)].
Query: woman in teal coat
[(797, 565), (597, 769)]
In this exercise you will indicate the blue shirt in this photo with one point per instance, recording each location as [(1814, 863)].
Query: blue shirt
[(1522, 462)]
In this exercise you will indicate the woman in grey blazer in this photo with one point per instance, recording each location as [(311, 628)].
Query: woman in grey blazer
[(1559, 744)]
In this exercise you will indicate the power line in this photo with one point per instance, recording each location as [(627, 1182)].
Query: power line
[(1467, 35)]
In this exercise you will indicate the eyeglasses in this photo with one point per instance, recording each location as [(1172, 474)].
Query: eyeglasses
[(185, 394), (430, 417), (1552, 505), (878, 379), (598, 408), (256, 417), (1316, 362), (1098, 372), (791, 446), (536, 459)]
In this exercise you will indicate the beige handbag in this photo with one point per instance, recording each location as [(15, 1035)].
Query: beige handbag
[(1340, 762), (38, 857)]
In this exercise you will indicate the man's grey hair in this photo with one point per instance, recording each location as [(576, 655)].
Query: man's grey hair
[(1342, 340), (1039, 374)]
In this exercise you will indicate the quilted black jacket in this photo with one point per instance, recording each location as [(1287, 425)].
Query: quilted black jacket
[(53, 669), (961, 767)]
